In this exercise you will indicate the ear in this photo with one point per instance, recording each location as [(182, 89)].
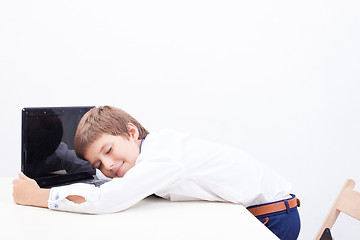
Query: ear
[(133, 131)]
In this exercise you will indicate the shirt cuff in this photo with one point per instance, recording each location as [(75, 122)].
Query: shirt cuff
[(58, 201)]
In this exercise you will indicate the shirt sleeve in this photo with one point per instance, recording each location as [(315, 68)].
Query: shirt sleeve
[(144, 179)]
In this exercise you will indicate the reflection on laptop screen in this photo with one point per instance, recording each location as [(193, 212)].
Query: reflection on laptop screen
[(48, 141)]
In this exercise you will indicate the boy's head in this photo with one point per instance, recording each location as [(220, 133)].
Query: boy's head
[(104, 120)]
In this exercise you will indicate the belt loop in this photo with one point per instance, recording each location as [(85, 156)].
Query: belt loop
[(287, 206)]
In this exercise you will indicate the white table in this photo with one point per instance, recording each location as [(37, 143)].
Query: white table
[(152, 218)]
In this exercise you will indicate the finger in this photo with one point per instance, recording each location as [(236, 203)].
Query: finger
[(22, 176)]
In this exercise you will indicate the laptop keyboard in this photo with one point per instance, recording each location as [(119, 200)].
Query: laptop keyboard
[(96, 182)]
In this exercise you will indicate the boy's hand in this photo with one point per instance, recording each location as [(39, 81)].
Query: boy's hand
[(27, 192)]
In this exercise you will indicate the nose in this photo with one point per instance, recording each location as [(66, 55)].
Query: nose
[(108, 163)]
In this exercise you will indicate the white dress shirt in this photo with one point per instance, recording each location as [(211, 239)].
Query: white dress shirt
[(179, 167)]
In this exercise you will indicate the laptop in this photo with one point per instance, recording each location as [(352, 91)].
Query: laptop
[(47, 150)]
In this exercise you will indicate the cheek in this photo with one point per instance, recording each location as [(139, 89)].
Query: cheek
[(107, 173)]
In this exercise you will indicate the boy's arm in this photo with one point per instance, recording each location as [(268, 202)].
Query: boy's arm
[(120, 193), (27, 192)]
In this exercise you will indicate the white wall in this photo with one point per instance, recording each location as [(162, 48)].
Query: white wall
[(278, 79)]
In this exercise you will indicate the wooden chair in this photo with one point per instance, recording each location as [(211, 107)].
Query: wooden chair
[(348, 202)]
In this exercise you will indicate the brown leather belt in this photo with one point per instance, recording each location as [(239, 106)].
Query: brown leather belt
[(274, 207)]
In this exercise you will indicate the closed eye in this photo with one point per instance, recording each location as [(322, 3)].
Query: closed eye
[(109, 150), (97, 164), (98, 167)]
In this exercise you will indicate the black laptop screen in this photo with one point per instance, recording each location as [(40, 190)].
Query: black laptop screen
[(48, 141)]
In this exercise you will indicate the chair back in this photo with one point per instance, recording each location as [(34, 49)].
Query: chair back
[(348, 202)]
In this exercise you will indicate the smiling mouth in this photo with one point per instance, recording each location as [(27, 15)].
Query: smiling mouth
[(119, 170)]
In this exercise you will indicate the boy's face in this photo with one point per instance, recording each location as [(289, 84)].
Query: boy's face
[(114, 155)]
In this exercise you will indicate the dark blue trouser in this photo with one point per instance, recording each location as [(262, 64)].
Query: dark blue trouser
[(284, 224)]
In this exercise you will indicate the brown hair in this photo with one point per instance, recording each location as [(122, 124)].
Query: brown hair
[(100, 120)]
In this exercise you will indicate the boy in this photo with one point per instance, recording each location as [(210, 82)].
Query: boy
[(171, 165)]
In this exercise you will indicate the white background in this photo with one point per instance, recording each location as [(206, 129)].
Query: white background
[(278, 79)]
